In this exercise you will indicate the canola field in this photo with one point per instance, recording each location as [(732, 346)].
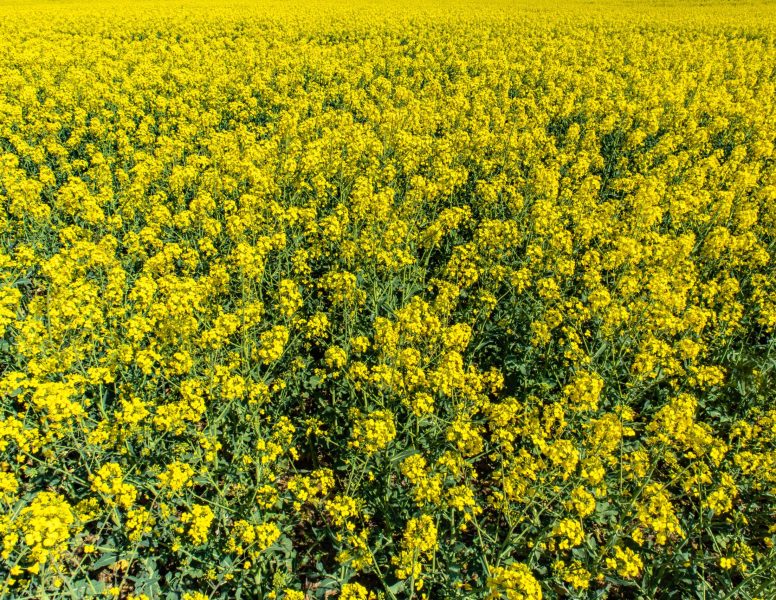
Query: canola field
[(387, 300)]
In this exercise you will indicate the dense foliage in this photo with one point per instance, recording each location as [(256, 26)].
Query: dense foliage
[(390, 300)]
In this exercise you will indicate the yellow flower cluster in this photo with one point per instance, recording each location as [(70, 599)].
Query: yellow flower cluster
[(177, 476), (419, 543), (373, 431), (43, 528), (198, 520), (626, 562), (252, 539), (109, 480), (569, 533), (514, 582), (355, 591), (273, 342)]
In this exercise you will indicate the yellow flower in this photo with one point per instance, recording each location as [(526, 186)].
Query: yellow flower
[(335, 358), (570, 534), (177, 476), (373, 431), (109, 480), (45, 526), (514, 582), (341, 509), (419, 544), (626, 562), (581, 502), (573, 573), (355, 591), (656, 512), (198, 519), (584, 391), (289, 298), (273, 342)]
